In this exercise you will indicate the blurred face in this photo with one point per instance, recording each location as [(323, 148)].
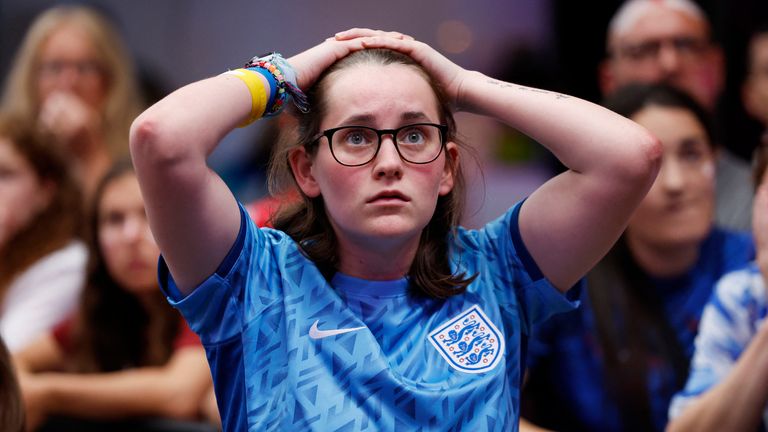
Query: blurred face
[(386, 199), (129, 249), (669, 46), (756, 86), (22, 194), (68, 63), (678, 209)]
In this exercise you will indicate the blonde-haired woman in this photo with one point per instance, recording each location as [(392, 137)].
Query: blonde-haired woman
[(74, 78)]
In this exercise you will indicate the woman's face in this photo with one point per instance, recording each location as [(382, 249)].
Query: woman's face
[(679, 208), (68, 62), (22, 194), (386, 199), (129, 249)]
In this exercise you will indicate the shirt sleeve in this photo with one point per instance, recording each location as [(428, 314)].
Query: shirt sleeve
[(520, 279), (212, 309), (42, 296), (728, 324)]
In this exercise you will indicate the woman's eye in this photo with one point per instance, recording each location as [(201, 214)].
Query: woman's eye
[(413, 136), (355, 138), (112, 219)]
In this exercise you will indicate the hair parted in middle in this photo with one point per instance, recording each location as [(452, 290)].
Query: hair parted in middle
[(306, 220)]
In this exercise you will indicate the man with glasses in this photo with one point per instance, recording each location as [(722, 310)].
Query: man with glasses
[(649, 41), (670, 41)]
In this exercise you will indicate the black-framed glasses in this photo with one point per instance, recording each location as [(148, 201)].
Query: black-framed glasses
[(687, 47), (417, 143)]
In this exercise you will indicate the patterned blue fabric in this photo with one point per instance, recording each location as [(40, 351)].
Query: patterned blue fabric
[(728, 324), (565, 360), (387, 369)]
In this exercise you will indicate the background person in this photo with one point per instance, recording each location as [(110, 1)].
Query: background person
[(73, 77), (42, 259), (670, 41), (615, 363), (126, 354), (371, 261)]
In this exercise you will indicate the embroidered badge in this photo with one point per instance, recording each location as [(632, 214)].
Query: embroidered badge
[(469, 342)]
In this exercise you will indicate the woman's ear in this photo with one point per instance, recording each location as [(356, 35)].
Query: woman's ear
[(451, 167), (301, 165)]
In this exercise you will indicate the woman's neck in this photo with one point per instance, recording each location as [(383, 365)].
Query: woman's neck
[(663, 261), (386, 261)]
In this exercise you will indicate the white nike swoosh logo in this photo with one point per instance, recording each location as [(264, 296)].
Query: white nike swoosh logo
[(316, 333)]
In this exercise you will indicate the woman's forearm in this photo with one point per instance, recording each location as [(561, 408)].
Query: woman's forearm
[(155, 391), (738, 401), (585, 137)]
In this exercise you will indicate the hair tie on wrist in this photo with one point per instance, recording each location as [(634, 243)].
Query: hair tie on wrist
[(256, 89), (285, 82)]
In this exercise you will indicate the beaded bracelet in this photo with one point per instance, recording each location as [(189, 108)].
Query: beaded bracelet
[(285, 79)]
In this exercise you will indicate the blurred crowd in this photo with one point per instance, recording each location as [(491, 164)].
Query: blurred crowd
[(669, 333)]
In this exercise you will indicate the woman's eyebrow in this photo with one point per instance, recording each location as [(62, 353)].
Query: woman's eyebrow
[(371, 118), (414, 115)]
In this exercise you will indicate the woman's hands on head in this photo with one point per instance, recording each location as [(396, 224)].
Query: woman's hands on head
[(312, 62), (448, 74)]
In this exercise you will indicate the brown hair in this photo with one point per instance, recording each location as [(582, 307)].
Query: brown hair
[(114, 330), (54, 226), (633, 329), (760, 161), (122, 102), (12, 417), (307, 221)]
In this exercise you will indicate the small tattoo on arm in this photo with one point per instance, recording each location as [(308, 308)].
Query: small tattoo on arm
[(505, 85)]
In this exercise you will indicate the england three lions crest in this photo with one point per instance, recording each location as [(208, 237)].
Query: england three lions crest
[(469, 342)]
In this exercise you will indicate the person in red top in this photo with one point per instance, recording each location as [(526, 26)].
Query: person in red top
[(126, 354)]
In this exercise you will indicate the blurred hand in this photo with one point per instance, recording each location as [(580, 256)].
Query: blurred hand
[(69, 119)]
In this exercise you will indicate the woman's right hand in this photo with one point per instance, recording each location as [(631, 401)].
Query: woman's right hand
[(309, 64), (68, 119)]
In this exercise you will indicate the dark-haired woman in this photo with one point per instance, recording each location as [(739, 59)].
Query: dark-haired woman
[(366, 307), (126, 353), (42, 259), (614, 364)]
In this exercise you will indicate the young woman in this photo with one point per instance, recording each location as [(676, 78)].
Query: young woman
[(726, 390), (366, 306), (126, 353), (614, 364), (72, 76), (42, 260)]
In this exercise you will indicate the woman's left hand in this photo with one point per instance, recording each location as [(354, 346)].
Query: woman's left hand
[(448, 74), (309, 64)]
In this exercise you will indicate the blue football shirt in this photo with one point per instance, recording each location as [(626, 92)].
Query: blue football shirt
[(289, 350)]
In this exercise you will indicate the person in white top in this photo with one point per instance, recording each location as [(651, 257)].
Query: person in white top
[(42, 260)]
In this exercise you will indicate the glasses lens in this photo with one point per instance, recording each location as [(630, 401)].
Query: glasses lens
[(686, 47), (419, 143), (354, 145)]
